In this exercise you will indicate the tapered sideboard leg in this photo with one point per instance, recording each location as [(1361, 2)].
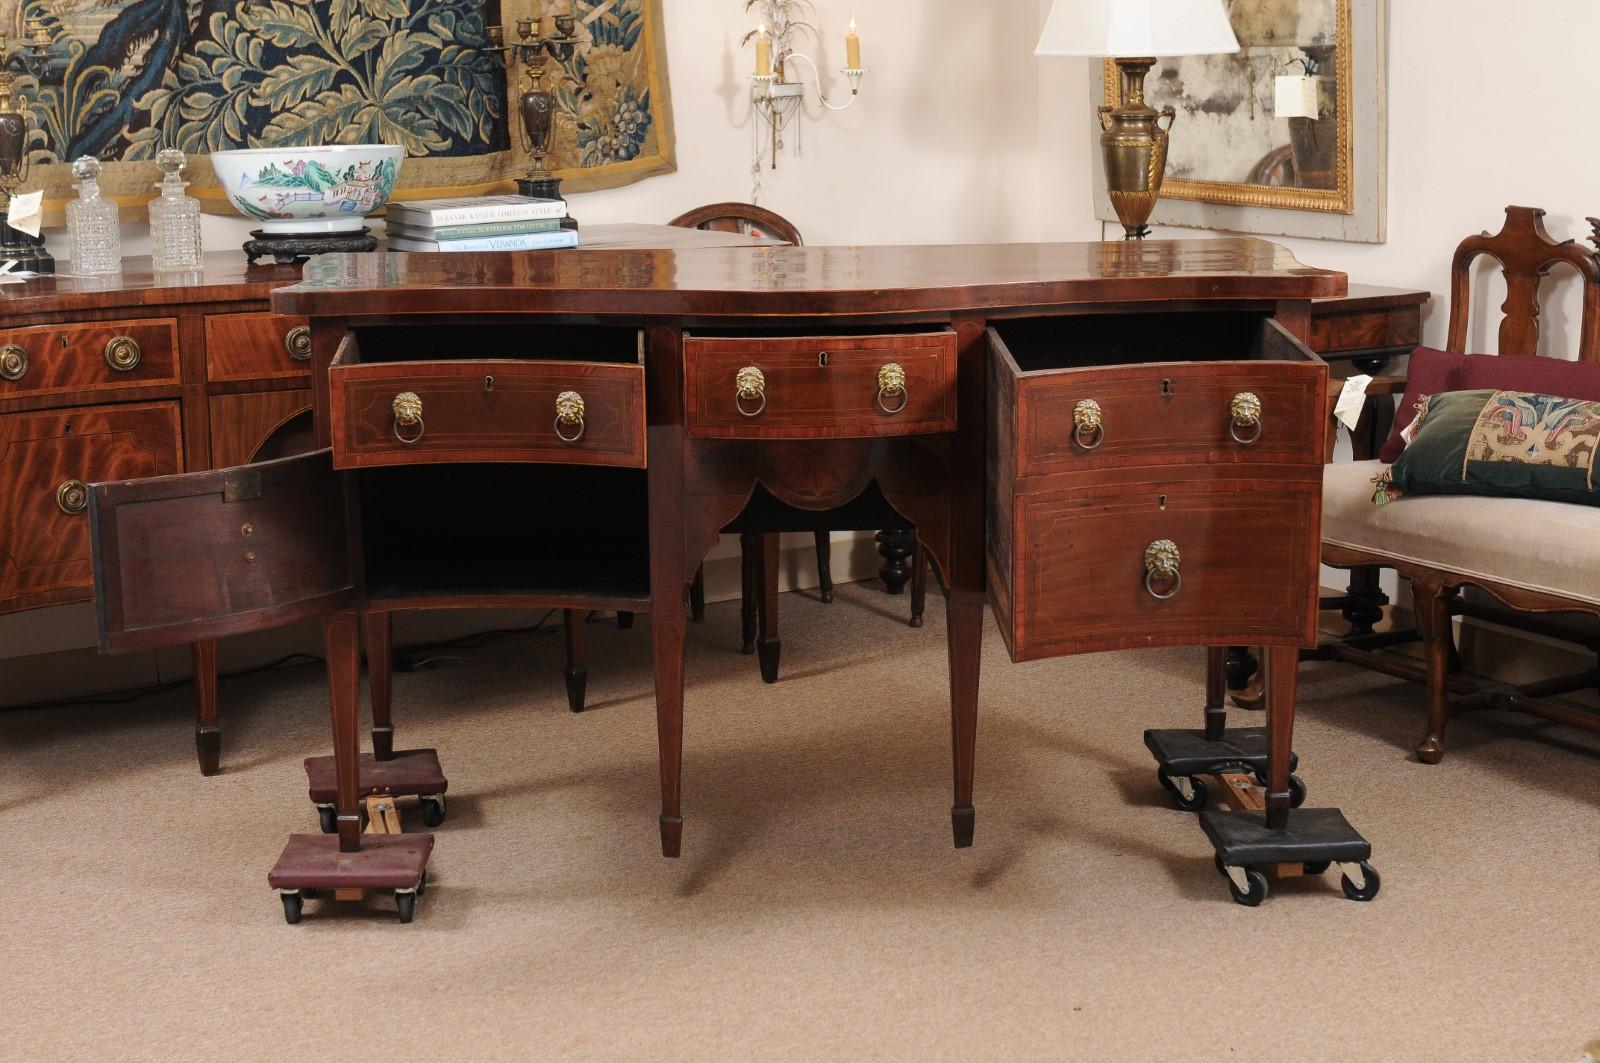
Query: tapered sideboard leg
[(1283, 663), (342, 640), (207, 731), (966, 644), (380, 680)]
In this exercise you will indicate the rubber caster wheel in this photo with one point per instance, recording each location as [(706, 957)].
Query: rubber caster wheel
[(1297, 788), (432, 813), (292, 903), (407, 903), (1366, 892), (1198, 795), (1316, 867), (1255, 894), (328, 818), (422, 884)]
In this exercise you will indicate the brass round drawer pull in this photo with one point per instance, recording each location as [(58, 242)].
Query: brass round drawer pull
[(750, 386), (407, 407), (13, 362), (1088, 429), (1246, 411), (73, 497), (123, 354), (892, 385), (569, 415), (297, 341), (1161, 560)]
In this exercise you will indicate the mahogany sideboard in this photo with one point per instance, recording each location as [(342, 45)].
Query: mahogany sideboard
[(1118, 445)]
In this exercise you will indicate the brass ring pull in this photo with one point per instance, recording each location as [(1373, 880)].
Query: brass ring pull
[(13, 362), (407, 407), (569, 411), (73, 497), (892, 383), (123, 354), (750, 385), (297, 341), (1161, 561), (1088, 429), (1246, 410)]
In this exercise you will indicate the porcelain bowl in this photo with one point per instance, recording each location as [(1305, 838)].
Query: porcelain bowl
[(310, 190)]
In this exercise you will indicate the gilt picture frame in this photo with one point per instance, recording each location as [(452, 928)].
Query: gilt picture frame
[(1231, 161)]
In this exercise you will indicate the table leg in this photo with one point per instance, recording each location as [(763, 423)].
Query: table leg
[(341, 634), (1282, 664), (769, 648), (207, 731), (380, 681), (576, 672), (1216, 692), (669, 568), (965, 638)]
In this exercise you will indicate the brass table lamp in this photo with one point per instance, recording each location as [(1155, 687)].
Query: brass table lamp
[(1134, 32)]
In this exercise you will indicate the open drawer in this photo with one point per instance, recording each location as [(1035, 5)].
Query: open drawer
[(390, 407)]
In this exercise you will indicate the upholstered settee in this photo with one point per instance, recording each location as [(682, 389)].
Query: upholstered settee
[(1531, 555)]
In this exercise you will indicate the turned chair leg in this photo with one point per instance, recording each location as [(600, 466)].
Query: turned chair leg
[(919, 584), (895, 547), (380, 680), (207, 731), (1433, 619), (825, 565), (748, 550), (577, 670), (768, 646)]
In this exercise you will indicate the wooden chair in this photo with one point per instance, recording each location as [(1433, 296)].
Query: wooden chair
[(759, 550), (1444, 544)]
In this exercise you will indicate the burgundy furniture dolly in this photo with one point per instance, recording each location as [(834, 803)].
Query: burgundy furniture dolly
[(406, 773), (312, 864)]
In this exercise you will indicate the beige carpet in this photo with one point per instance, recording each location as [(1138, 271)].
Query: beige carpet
[(819, 910)]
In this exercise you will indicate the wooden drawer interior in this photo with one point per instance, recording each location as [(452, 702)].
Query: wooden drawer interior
[(44, 549), (257, 347), (820, 387), (95, 356)]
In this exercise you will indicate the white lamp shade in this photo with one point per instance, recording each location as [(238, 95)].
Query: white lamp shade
[(1136, 28)]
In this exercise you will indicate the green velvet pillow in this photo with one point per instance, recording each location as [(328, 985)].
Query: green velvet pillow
[(1508, 443)]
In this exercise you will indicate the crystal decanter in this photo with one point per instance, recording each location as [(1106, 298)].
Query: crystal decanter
[(174, 218), (92, 223)]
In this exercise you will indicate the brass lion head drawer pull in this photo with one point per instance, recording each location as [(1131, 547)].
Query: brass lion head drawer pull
[(13, 362), (750, 386), (73, 497), (1245, 427), (297, 341), (407, 407), (569, 417), (892, 386), (1161, 560), (123, 354), (1088, 430)]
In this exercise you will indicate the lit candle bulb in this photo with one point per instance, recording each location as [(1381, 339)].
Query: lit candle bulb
[(852, 47), (763, 52)]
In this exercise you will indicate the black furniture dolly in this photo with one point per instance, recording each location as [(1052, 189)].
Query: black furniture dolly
[(1305, 841)]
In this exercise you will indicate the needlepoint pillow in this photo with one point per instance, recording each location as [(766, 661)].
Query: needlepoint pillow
[(1508, 443)]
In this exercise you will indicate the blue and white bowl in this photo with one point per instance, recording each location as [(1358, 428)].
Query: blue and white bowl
[(305, 191)]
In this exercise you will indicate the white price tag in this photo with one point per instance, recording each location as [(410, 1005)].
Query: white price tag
[(1352, 400), (1295, 97), (27, 212)]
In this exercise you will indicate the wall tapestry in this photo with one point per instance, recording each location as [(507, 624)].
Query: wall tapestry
[(127, 78)]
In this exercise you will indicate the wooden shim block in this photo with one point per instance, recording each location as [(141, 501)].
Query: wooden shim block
[(1240, 793), (351, 894), (383, 815)]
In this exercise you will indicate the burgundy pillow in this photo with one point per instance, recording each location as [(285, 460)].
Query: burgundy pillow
[(1543, 376), (1428, 373)]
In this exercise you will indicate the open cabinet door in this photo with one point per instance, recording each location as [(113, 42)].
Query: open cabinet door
[(208, 554)]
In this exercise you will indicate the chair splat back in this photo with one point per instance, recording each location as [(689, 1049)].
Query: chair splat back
[(740, 218), (1526, 252)]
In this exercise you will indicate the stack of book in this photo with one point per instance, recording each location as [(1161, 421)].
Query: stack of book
[(479, 223)]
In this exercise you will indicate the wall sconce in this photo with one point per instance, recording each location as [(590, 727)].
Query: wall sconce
[(780, 100)]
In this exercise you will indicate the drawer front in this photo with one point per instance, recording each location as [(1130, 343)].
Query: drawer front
[(1167, 414), (487, 411), (96, 356), (257, 347), (1366, 330), (1245, 566), (840, 387), (45, 461)]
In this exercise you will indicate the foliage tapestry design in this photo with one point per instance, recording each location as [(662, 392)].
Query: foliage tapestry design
[(127, 78)]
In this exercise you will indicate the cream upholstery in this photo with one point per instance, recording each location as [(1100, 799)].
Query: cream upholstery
[(1552, 547)]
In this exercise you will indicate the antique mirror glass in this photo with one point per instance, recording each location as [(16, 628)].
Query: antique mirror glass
[(1287, 125)]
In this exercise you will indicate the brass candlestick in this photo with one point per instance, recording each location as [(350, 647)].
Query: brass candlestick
[(532, 51), (28, 252), (1135, 149)]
